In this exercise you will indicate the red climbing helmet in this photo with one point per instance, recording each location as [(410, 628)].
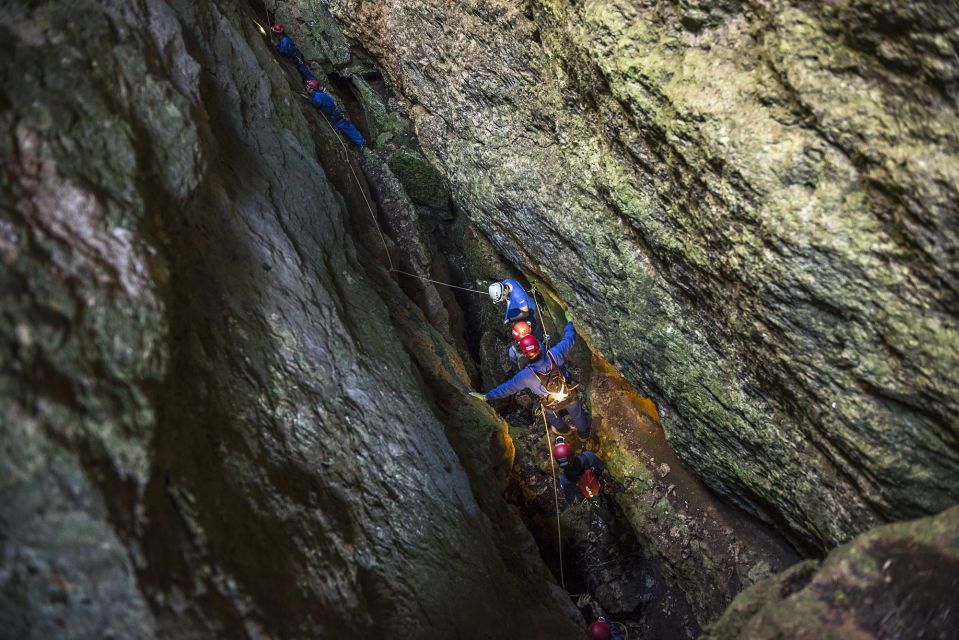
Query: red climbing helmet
[(521, 329), (562, 452), (278, 28), (529, 346), (600, 630), (313, 85)]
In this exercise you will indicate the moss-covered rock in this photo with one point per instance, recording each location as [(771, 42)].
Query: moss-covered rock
[(892, 582), (420, 179), (219, 416), (750, 207)]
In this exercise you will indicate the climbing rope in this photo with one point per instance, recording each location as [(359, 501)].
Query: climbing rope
[(559, 532), (539, 312), (549, 445), (359, 186), (623, 627), (445, 284)]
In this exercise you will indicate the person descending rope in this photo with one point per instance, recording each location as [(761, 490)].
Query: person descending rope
[(602, 629), (324, 102), (582, 477), (520, 330), (519, 304), (318, 98), (546, 376), (285, 45)]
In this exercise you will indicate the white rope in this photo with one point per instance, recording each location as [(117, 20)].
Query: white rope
[(445, 284), (559, 531)]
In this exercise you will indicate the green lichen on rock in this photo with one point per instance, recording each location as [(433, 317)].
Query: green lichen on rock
[(419, 178), (732, 200), (211, 425), (888, 582)]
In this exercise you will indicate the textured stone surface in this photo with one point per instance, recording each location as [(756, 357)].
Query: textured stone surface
[(211, 421), (750, 206), (895, 581)]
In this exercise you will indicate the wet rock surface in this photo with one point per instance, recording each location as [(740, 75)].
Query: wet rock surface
[(220, 417), (750, 206), (895, 581), (226, 413)]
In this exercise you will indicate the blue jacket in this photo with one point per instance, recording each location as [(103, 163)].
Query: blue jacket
[(305, 72), (326, 104), (520, 304), (286, 48), (528, 380), (590, 461)]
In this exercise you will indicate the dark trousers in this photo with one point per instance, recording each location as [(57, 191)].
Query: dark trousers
[(576, 412)]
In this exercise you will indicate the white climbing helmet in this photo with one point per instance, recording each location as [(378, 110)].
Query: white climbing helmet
[(496, 291)]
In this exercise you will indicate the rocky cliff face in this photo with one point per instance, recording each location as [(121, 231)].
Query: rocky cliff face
[(219, 416), (887, 583), (751, 208)]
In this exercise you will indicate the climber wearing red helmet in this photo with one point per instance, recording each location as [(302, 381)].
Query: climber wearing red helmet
[(604, 630), (285, 46), (318, 98), (521, 329), (562, 452), (546, 377)]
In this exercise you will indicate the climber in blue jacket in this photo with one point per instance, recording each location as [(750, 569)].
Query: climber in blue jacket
[(519, 304), (546, 377), (573, 470), (325, 103), (319, 99), (285, 46), (305, 73)]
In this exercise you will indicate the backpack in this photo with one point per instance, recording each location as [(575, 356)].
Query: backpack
[(589, 484), (559, 392)]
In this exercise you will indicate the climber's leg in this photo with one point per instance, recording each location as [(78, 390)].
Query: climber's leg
[(347, 127), (578, 414)]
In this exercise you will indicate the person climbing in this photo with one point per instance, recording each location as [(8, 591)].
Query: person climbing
[(521, 329), (582, 478), (519, 304), (585, 467), (317, 97), (285, 45), (603, 629), (287, 48), (324, 102), (546, 376)]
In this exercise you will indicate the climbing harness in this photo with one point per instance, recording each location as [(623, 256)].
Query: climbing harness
[(559, 393)]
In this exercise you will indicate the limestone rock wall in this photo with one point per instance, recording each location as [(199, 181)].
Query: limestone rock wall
[(751, 208), (886, 583), (211, 424)]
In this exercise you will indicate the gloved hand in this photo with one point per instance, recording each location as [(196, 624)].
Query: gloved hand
[(478, 395), (568, 315)]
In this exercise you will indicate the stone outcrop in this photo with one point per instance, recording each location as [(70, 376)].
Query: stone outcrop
[(751, 208), (219, 416), (895, 581)]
